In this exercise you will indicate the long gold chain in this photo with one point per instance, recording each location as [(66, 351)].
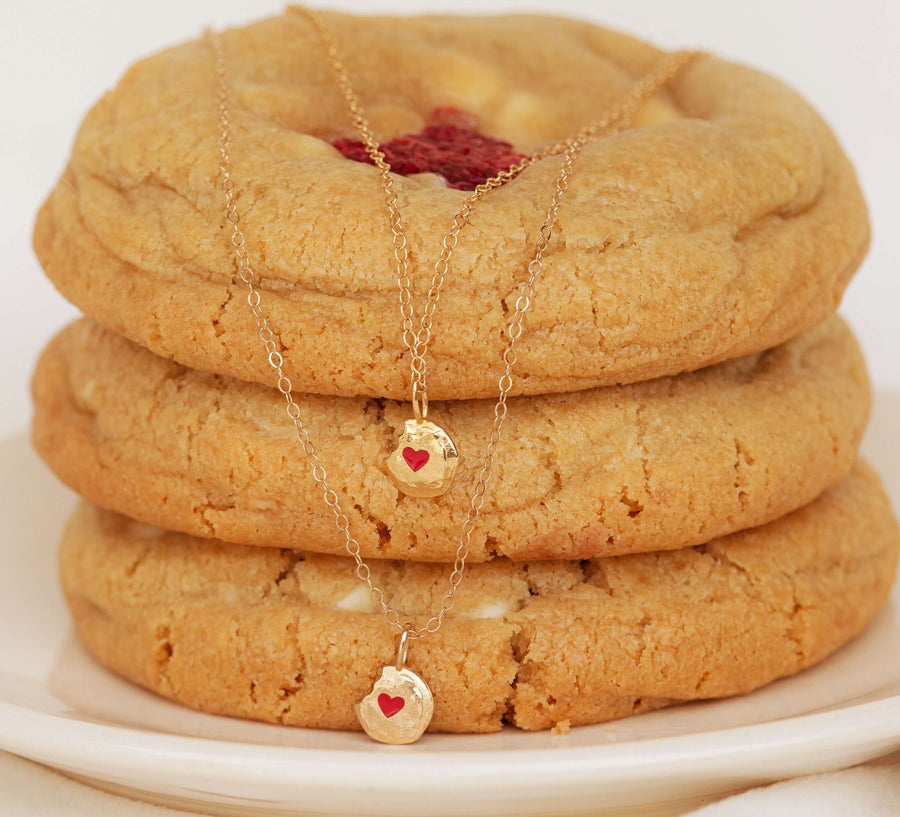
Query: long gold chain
[(417, 342), (570, 150)]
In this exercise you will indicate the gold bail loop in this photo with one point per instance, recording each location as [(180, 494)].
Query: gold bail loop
[(402, 648), (419, 402)]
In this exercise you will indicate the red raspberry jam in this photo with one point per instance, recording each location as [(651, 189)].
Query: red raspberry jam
[(450, 145)]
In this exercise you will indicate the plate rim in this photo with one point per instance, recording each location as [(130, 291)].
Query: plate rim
[(126, 747)]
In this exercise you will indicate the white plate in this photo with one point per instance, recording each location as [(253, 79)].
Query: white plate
[(58, 707)]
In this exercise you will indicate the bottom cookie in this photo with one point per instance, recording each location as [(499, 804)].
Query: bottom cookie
[(293, 638)]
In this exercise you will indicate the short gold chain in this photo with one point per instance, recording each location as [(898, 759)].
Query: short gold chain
[(570, 150), (417, 342)]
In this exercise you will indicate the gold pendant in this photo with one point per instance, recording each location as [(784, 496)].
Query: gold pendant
[(424, 461), (400, 705)]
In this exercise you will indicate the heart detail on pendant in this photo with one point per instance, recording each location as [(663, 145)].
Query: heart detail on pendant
[(415, 458), (390, 706), (422, 465), (399, 707)]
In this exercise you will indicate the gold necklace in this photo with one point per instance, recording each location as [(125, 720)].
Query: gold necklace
[(400, 705), (424, 461)]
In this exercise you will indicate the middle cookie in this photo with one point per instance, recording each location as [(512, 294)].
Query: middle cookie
[(659, 465)]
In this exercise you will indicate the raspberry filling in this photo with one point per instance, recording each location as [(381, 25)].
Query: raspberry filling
[(450, 145)]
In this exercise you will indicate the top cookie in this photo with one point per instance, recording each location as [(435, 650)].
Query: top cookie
[(727, 222)]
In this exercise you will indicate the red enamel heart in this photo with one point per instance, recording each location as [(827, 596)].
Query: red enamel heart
[(415, 458), (390, 706)]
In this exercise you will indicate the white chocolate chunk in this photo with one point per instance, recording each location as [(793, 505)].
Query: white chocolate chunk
[(490, 609), (357, 600)]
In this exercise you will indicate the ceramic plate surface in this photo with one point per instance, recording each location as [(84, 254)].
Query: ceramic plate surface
[(60, 708)]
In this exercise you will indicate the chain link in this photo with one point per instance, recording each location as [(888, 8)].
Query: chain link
[(416, 341)]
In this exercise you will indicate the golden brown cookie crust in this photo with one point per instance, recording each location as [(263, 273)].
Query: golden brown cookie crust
[(281, 636), (727, 225), (650, 466)]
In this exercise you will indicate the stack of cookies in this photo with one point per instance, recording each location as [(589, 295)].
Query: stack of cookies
[(676, 509)]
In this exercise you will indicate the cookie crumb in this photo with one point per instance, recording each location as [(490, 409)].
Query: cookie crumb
[(561, 728)]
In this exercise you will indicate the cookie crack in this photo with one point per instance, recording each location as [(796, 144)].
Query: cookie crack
[(634, 506), (135, 563), (288, 290), (287, 692), (150, 180), (158, 402), (216, 322), (702, 680), (377, 526), (207, 507), (376, 405), (742, 460), (520, 643), (640, 634), (791, 630), (551, 463), (294, 557), (828, 428), (721, 556), (163, 654)]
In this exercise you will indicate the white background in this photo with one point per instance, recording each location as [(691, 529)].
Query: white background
[(58, 57)]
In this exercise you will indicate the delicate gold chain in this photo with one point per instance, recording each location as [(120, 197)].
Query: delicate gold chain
[(570, 149), (417, 342)]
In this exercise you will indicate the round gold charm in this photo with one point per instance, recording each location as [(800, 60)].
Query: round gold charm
[(398, 709), (425, 460)]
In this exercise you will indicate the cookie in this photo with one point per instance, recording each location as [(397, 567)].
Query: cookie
[(650, 466), (289, 637), (728, 222)]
